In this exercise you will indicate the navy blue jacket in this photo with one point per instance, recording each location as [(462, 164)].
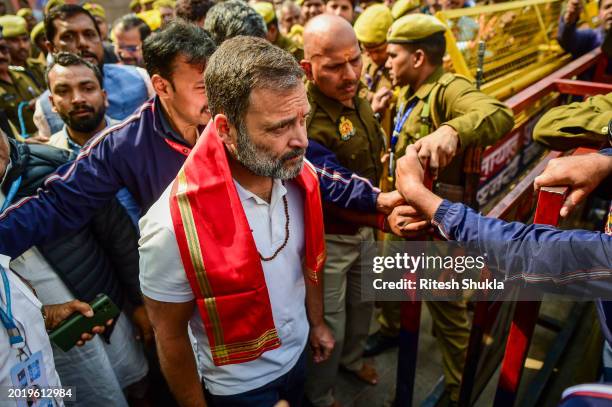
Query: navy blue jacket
[(144, 155), (537, 253)]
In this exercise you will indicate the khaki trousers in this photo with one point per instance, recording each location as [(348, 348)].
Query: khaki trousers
[(346, 315)]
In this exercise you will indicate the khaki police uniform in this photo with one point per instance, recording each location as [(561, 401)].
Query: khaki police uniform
[(480, 120), (21, 89), (36, 70), (15, 26), (371, 30), (356, 138), (37, 54), (577, 124)]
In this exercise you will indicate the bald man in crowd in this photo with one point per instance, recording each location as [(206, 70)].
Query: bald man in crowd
[(342, 121)]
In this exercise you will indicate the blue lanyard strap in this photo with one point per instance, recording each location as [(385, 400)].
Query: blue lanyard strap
[(400, 119), (22, 125), (11, 194), (7, 316)]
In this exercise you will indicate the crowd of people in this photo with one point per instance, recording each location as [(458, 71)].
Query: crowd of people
[(214, 169)]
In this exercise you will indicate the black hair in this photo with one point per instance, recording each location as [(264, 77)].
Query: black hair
[(131, 21), (70, 59), (433, 46), (232, 18), (192, 10), (179, 38), (64, 12)]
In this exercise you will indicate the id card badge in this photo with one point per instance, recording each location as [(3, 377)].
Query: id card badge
[(30, 377)]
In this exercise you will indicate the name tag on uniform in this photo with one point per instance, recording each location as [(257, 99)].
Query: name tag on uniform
[(29, 379)]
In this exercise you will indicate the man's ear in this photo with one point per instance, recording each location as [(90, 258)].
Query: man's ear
[(52, 104), (419, 58), (307, 67), (50, 47), (272, 32), (223, 130), (163, 88), (105, 95)]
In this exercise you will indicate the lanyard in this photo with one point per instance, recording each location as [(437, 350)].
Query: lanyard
[(11, 194), (372, 82), (400, 120), (22, 126), (16, 340)]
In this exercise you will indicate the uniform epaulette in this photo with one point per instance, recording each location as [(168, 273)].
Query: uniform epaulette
[(447, 78), (16, 68)]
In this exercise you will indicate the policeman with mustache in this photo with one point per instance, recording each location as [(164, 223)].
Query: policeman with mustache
[(343, 122)]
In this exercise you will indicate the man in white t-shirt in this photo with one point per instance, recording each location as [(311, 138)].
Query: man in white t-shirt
[(234, 247)]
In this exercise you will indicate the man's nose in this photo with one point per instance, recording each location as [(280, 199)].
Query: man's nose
[(77, 97), (82, 42), (300, 140), (349, 72)]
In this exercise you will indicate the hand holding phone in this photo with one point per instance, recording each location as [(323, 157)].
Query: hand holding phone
[(75, 322)]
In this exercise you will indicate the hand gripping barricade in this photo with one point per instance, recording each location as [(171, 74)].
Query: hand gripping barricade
[(545, 76)]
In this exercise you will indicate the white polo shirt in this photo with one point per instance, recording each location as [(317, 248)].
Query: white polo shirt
[(163, 278)]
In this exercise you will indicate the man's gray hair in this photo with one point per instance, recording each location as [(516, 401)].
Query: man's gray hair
[(239, 66)]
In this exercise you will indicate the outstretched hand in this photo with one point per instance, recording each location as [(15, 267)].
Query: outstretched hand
[(581, 173)]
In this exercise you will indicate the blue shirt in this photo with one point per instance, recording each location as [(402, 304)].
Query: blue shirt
[(534, 253)]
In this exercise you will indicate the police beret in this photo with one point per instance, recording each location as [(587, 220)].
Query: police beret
[(414, 27), (152, 18), (24, 12), (402, 7), (52, 4), (266, 10), (13, 25), (95, 10), (37, 30), (372, 25), (163, 3)]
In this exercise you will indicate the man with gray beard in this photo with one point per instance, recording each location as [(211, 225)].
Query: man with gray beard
[(234, 248)]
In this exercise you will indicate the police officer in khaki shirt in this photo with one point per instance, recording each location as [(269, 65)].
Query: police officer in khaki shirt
[(266, 10), (442, 114), (16, 87), (344, 123), (575, 125), (18, 39), (371, 29)]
